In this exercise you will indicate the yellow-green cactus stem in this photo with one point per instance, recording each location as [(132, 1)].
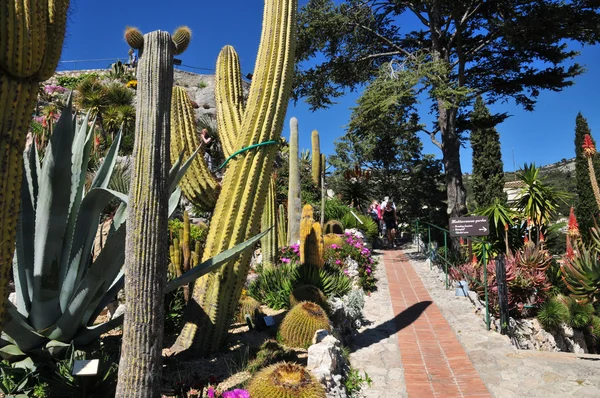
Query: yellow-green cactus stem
[(146, 255), (268, 243), (229, 96), (31, 39), (281, 227), (245, 184), (323, 192), (134, 38), (198, 184), (316, 158), (311, 239), (294, 200), (332, 239)]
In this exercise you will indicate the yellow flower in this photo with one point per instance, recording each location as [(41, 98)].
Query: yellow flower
[(132, 84)]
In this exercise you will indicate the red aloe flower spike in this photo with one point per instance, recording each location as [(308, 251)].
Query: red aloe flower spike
[(573, 225), (474, 260), (462, 242), (542, 237), (506, 226), (589, 149), (526, 240)]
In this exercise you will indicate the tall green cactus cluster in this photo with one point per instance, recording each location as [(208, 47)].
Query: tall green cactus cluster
[(183, 258), (282, 237), (31, 38), (146, 257), (198, 184), (268, 243), (294, 201), (316, 158), (238, 211)]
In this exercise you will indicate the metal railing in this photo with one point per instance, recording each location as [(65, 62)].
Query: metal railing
[(434, 256)]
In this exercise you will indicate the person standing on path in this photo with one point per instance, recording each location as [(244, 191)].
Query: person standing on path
[(391, 222), (374, 212)]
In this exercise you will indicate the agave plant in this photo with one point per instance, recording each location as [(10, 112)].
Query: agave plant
[(581, 273), (61, 288)]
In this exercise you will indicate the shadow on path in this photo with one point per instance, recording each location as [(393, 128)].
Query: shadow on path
[(372, 336)]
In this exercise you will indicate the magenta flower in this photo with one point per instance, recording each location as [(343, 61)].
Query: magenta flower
[(237, 393), (51, 89), (211, 392), (334, 246), (285, 260), (357, 245), (338, 262), (368, 271), (346, 271)]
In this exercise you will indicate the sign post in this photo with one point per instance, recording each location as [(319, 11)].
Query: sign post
[(469, 226)]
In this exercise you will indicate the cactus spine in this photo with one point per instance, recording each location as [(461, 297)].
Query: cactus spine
[(311, 239), (316, 158), (239, 209), (300, 324), (294, 201), (147, 243), (229, 96), (198, 184), (282, 239), (268, 243), (31, 38)]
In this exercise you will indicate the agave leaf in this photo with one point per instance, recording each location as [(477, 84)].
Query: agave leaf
[(102, 177), (26, 363), (52, 214), (11, 351), (88, 334), (213, 263), (174, 200), (83, 241), (108, 297), (17, 328)]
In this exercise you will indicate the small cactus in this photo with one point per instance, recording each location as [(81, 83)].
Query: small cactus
[(248, 306), (285, 380), (300, 324), (308, 293), (333, 227), (282, 236)]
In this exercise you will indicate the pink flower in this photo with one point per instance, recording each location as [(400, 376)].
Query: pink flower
[(285, 260), (334, 246), (357, 245), (368, 271), (338, 262), (346, 271), (237, 393), (211, 392)]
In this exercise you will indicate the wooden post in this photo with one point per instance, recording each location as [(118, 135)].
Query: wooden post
[(502, 293)]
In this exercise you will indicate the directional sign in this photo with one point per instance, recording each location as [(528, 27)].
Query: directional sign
[(469, 226)]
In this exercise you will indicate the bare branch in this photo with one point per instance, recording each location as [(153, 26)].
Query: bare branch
[(383, 38), (380, 55)]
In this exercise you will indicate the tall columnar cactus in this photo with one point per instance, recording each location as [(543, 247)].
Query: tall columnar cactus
[(229, 96), (198, 184), (31, 38), (323, 192), (282, 239), (311, 239), (147, 249), (316, 158), (245, 184), (294, 201), (268, 243)]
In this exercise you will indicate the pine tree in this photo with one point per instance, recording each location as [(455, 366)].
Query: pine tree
[(586, 208), (488, 173)]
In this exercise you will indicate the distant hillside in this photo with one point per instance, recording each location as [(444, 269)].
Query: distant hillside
[(560, 175)]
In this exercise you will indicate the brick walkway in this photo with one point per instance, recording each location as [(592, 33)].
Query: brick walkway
[(435, 363)]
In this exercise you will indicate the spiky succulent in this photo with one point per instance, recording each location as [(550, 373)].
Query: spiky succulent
[(248, 306), (311, 239), (333, 227), (285, 380), (300, 324)]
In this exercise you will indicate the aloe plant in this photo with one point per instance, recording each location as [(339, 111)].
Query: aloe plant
[(60, 290)]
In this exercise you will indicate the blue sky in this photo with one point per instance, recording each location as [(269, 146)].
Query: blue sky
[(96, 28)]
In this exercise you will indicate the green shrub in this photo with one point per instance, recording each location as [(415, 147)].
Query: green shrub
[(595, 327), (368, 226), (579, 315), (71, 82), (552, 313)]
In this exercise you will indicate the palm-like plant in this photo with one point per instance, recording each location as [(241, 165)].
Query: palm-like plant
[(538, 201)]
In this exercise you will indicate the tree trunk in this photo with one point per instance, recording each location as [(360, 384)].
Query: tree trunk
[(146, 257)]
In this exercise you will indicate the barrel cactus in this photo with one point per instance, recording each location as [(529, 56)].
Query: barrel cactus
[(285, 380), (300, 324), (248, 306), (308, 293), (238, 211), (31, 38), (333, 227)]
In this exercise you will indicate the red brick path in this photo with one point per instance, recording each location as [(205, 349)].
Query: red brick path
[(435, 363)]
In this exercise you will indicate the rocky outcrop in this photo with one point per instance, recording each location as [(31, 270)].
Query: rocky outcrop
[(326, 363)]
